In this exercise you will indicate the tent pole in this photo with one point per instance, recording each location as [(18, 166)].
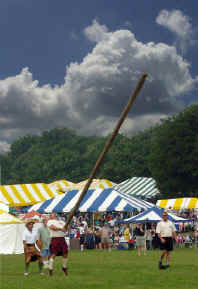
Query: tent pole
[(107, 146)]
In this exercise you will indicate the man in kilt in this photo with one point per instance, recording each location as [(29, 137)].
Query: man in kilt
[(30, 251), (58, 245)]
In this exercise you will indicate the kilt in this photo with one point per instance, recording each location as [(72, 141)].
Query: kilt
[(31, 253), (58, 246), (82, 239), (168, 245)]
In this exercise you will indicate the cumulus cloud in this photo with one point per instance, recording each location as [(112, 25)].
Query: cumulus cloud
[(179, 24), (4, 147), (96, 32), (96, 90)]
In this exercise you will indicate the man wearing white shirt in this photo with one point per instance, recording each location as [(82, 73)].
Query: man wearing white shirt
[(58, 245), (166, 232), (31, 253)]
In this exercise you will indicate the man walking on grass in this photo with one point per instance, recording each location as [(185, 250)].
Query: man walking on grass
[(44, 239), (58, 245), (166, 232)]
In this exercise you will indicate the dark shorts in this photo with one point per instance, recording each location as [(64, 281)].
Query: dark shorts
[(82, 239), (97, 240), (168, 245), (58, 246)]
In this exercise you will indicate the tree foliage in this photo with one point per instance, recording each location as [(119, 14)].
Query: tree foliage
[(60, 153), (173, 160)]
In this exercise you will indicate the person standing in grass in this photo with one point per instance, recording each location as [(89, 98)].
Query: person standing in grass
[(30, 251), (140, 239), (105, 237), (44, 239), (166, 232), (58, 245)]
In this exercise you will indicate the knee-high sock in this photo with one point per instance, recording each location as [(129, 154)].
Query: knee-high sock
[(64, 262), (40, 264), (51, 262), (26, 266)]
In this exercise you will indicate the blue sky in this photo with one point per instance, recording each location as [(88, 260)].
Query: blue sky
[(74, 63)]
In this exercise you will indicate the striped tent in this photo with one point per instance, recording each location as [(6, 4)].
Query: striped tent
[(61, 185), (178, 204), (26, 194), (96, 183), (144, 188), (4, 207), (153, 215), (98, 200), (6, 218)]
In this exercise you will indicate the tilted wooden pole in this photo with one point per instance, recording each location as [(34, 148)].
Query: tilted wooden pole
[(107, 146)]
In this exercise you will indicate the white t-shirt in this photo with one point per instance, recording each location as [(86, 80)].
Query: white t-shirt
[(57, 223), (165, 229), (85, 226), (30, 237), (81, 230)]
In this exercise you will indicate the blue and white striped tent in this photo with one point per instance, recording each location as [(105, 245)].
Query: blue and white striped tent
[(153, 215), (98, 200)]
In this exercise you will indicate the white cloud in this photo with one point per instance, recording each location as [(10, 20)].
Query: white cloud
[(4, 147), (96, 32), (177, 23), (96, 90)]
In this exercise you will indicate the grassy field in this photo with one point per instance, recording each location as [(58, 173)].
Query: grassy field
[(105, 270)]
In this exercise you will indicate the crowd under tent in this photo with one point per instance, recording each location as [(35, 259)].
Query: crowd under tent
[(144, 188), (153, 215), (97, 200)]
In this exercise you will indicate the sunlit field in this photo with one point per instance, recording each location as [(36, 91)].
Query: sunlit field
[(105, 270)]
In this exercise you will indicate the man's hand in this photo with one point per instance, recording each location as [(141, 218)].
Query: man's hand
[(163, 240)]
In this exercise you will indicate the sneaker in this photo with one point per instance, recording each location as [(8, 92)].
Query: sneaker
[(26, 274), (42, 273), (50, 272), (167, 266), (65, 270)]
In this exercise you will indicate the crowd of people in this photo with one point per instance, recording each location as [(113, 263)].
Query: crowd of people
[(103, 232)]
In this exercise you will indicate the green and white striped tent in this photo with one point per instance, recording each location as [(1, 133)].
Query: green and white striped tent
[(144, 188)]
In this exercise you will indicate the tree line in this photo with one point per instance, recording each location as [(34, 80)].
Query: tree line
[(167, 152)]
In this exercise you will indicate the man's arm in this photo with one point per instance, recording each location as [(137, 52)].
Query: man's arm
[(24, 245)]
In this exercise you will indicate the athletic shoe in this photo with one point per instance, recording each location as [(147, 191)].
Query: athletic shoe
[(160, 265), (167, 266), (26, 274), (65, 270), (42, 273), (50, 272)]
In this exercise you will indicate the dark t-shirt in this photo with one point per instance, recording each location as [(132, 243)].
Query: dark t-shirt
[(138, 232)]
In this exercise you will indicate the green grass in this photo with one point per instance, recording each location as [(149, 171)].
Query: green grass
[(105, 270)]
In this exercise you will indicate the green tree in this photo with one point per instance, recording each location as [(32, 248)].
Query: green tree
[(173, 160)]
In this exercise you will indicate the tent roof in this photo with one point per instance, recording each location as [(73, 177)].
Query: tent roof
[(6, 218), (4, 207), (139, 187), (178, 204), (26, 194), (98, 200), (95, 184), (61, 185), (153, 215)]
